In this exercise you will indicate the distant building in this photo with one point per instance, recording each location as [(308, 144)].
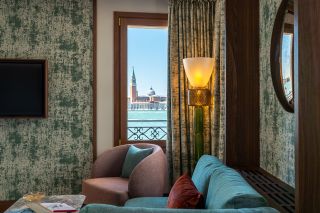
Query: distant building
[(133, 88), (151, 101)]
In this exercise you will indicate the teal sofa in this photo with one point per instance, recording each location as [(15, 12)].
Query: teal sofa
[(223, 188)]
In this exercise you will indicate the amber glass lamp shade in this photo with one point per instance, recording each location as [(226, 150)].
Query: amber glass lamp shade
[(198, 70)]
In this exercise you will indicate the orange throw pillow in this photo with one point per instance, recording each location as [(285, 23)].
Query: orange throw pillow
[(184, 195)]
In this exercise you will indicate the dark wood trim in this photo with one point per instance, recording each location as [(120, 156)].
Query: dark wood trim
[(279, 194), (290, 7), (296, 103), (277, 180), (46, 90), (288, 28), (116, 79), (5, 204), (245, 167), (123, 81), (275, 56), (242, 84), (45, 104), (94, 86), (121, 21), (307, 72), (159, 16)]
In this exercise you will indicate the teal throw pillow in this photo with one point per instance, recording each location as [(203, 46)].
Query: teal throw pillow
[(133, 158)]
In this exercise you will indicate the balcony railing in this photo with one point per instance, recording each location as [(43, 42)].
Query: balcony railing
[(142, 130)]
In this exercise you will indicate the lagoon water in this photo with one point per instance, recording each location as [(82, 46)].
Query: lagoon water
[(147, 118)]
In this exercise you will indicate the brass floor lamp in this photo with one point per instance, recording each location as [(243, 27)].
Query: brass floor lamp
[(198, 71)]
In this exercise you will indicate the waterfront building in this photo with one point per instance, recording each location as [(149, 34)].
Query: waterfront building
[(151, 101)]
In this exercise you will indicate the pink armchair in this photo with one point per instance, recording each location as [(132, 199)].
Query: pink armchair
[(148, 179)]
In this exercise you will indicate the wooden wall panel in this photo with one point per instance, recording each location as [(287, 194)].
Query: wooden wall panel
[(308, 113), (242, 83), (5, 204)]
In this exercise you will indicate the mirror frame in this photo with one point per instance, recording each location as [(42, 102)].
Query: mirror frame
[(275, 55)]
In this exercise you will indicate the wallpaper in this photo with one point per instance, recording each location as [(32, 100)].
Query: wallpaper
[(277, 127), (51, 155)]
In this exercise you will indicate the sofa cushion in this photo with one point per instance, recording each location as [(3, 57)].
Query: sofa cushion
[(202, 173), (133, 158), (103, 208), (148, 202), (184, 195), (110, 190), (228, 190)]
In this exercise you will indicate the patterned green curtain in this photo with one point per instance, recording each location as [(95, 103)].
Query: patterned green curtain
[(196, 29)]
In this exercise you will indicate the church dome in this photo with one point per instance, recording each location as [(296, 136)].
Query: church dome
[(151, 92)]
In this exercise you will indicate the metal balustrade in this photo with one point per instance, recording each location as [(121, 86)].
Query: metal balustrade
[(143, 133)]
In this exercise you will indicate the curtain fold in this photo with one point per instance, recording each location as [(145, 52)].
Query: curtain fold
[(196, 29)]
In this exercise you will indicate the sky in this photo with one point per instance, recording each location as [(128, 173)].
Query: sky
[(147, 53)]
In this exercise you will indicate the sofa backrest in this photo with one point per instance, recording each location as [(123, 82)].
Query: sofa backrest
[(204, 168), (228, 190)]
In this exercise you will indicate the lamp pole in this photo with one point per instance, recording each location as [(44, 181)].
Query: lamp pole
[(198, 98), (198, 128)]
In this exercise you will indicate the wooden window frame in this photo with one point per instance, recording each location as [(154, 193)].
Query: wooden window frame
[(121, 21)]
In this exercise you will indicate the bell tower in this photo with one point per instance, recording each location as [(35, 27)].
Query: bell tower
[(133, 87)]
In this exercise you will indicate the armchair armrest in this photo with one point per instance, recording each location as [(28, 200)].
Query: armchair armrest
[(109, 163), (149, 177)]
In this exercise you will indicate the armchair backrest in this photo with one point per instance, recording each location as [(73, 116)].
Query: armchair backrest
[(150, 177), (109, 163)]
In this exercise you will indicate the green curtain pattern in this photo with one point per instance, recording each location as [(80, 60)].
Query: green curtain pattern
[(196, 29)]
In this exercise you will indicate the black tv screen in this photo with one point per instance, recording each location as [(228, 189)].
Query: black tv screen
[(23, 88)]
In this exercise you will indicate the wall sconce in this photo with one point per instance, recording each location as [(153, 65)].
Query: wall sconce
[(198, 71)]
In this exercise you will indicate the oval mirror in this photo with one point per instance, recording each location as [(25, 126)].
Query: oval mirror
[(281, 54)]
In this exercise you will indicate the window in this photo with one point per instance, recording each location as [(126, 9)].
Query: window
[(140, 90)]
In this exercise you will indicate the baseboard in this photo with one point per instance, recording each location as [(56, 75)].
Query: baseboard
[(5, 204)]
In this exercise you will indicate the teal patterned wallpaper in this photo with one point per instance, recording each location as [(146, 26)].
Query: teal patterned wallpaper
[(277, 127), (51, 155)]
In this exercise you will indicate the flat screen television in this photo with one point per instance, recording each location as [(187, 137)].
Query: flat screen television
[(23, 88)]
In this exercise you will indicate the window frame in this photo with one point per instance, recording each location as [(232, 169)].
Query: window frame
[(121, 21)]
